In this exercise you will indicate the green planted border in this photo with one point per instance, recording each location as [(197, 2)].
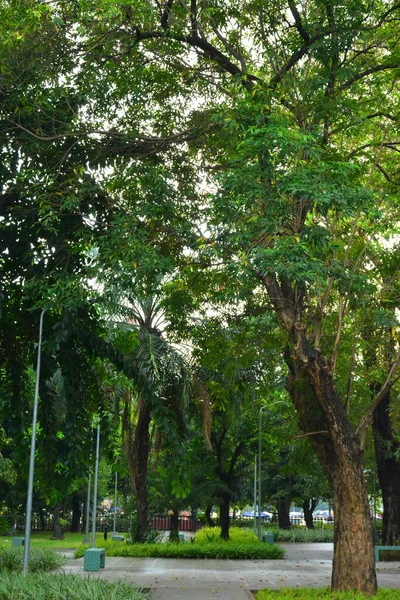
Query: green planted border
[(40, 559), (191, 550), (48, 586), (302, 535), (323, 594)]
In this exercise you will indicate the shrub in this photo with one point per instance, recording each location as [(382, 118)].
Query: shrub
[(41, 559), (203, 550), (324, 594), (302, 535), (236, 535), (45, 586)]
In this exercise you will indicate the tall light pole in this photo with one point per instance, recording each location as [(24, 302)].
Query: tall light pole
[(115, 502), (32, 456), (255, 493), (259, 474), (96, 479)]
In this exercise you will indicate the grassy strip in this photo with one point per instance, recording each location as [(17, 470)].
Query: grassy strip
[(40, 559), (324, 594), (207, 535), (43, 539), (191, 550), (46, 586), (301, 535)]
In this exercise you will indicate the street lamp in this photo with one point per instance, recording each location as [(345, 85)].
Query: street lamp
[(259, 474), (32, 456), (96, 479)]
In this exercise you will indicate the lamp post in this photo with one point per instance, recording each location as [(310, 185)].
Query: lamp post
[(115, 502), (32, 456), (255, 493), (259, 474), (96, 479)]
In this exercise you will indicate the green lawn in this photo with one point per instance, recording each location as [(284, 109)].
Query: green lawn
[(43, 540)]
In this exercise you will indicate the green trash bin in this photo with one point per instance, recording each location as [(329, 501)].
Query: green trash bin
[(17, 542), (181, 537), (268, 537)]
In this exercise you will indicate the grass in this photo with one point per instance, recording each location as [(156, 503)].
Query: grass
[(232, 550), (41, 559), (302, 535), (324, 594), (43, 540), (49, 586), (236, 535)]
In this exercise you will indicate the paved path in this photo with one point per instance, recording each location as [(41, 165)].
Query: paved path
[(307, 565)]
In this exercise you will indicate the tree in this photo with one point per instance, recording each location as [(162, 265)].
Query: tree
[(281, 105)]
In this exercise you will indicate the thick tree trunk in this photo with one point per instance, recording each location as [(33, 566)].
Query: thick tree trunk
[(308, 508), (324, 419), (57, 529), (283, 506), (386, 449), (225, 519), (76, 514), (174, 533), (210, 521), (142, 446)]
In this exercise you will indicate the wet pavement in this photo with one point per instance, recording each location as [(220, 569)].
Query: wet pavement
[(304, 565)]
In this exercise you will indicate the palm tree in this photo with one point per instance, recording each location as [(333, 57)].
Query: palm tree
[(163, 381)]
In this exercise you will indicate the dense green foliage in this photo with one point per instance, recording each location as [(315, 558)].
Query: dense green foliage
[(323, 594), (208, 535), (40, 586), (228, 550), (301, 535), (40, 559)]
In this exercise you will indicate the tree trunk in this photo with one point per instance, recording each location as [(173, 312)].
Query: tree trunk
[(225, 519), (386, 449), (210, 521), (174, 533), (324, 419), (76, 514), (283, 506), (142, 447), (308, 508), (57, 529)]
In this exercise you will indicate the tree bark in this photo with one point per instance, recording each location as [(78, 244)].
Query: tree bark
[(57, 528), (76, 514), (142, 451), (386, 449), (324, 419), (283, 506), (308, 508), (210, 521), (174, 533), (225, 519)]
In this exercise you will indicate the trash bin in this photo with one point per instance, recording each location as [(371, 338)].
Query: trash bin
[(268, 537), (181, 537)]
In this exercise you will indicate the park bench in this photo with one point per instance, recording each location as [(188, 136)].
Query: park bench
[(379, 548), (17, 542), (94, 559)]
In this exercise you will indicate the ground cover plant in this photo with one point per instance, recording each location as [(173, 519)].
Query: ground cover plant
[(46, 586), (41, 559), (323, 594), (232, 550), (43, 539), (213, 534), (301, 535)]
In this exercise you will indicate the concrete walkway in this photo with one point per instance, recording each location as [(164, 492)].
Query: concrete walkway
[(304, 565)]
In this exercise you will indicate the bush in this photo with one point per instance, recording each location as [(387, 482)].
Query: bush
[(192, 550), (302, 535), (323, 594), (43, 586), (213, 534), (4, 528), (41, 559)]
